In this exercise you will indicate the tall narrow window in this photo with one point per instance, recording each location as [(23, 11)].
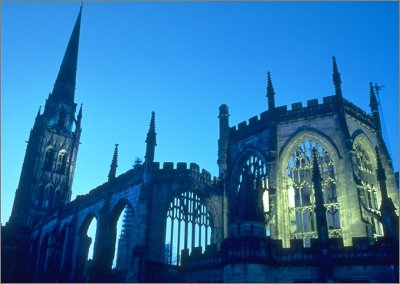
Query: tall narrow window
[(368, 193), (62, 161), (86, 243), (48, 159), (254, 199), (61, 119), (301, 199), (188, 225), (49, 197), (124, 247)]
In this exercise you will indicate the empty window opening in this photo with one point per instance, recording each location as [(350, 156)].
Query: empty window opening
[(188, 225)]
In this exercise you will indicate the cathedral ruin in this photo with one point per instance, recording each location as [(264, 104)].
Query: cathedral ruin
[(304, 194)]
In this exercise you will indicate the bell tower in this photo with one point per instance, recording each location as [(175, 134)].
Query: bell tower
[(48, 169)]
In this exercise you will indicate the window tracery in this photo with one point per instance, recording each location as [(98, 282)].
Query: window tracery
[(48, 159), (61, 161), (301, 199), (188, 225), (254, 199), (368, 192)]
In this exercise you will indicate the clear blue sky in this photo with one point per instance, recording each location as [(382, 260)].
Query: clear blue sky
[(183, 60)]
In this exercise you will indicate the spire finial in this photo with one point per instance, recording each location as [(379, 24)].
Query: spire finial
[(151, 139), (64, 87), (79, 117), (337, 81), (114, 164), (270, 92)]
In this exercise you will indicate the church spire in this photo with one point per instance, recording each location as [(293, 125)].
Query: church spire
[(114, 164), (64, 87), (337, 81), (270, 93), (151, 142)]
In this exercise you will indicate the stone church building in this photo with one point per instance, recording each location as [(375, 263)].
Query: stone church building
[(304, 194)]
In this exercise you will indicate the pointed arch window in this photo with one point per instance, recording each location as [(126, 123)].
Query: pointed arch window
[(62, 161), (253, 197), (368, 193), (86, 243), (188, 225), (301, 199), (62, 118), (48, 197), (49, 159)]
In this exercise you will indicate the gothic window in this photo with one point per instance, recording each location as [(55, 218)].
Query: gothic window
[(122, 235), (188, 225), (86, 242), (61, 119), (48, 159), (368, 193), (48, 197), (62, 161), (254, 198), (124, 246), (301, 199)]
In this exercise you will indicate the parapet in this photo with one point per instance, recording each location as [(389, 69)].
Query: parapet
[(283, 114), (181, 169)]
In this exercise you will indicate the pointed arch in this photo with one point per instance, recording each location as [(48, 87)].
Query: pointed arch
[(120, 227), (296, 217), (85, 243), (57, 197), (251, 170), (368, 186), (62, 117), (118, 208), (48, 196), (62, 157), (49, 158)]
